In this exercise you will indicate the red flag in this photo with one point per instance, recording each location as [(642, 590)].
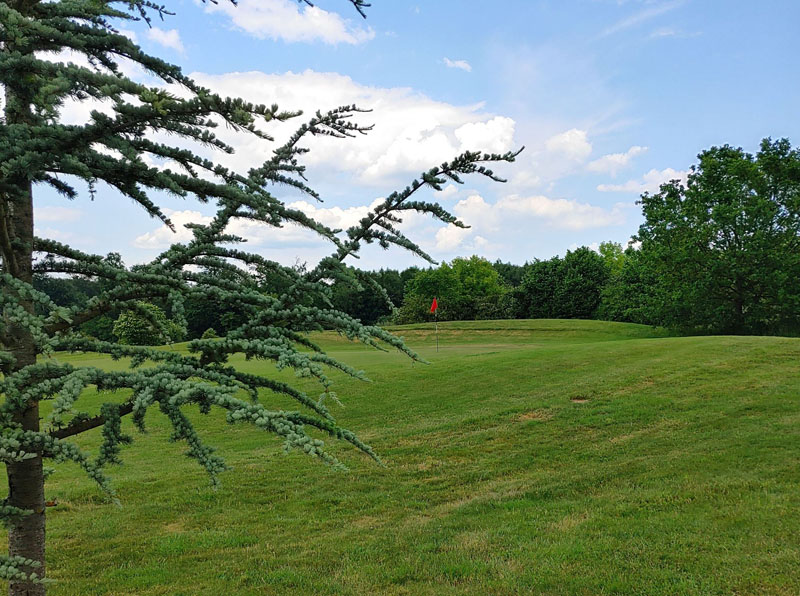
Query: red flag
[(434, 305)]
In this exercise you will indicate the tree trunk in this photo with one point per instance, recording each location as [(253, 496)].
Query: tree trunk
[(26, 490), (26, 536), (25, 479)]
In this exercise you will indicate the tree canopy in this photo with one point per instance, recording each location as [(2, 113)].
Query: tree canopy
[(466, 288), (113, 153), (723, 248), (567, 288)]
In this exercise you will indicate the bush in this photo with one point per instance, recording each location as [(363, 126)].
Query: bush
[(146, 325), (466, 289)]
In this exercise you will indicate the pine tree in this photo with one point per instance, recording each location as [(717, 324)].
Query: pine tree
[(117, 150)]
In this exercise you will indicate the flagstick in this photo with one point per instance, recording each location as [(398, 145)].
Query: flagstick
[(436, 324), (435, 311)]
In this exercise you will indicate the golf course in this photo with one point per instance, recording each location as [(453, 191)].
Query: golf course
[(547, 457)]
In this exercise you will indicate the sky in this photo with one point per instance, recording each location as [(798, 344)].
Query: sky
[(610, 98)]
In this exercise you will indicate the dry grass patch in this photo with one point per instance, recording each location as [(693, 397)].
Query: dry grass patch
[(175, 527), (573, 520), (540, 415), (653, 429)]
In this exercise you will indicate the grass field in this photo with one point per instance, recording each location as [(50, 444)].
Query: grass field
[(530, 457)]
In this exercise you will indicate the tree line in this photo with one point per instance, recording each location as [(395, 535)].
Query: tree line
[(715, 254)]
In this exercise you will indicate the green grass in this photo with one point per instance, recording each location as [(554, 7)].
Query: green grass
[(540, 457)]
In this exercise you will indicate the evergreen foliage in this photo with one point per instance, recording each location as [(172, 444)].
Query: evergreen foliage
[(567, 288), (115, 150), (511, 274), (373, 299)]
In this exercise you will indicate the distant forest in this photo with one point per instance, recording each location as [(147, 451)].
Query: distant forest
[(718, 254), (466, 289)]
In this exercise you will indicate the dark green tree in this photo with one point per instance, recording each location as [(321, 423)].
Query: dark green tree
[(113, 150), (145, 324), (466, 289), (535, 296), (511, 274), (630, 295), (372, 299), (66, 291), (439, 282), (583, 275), (567, 288), (391, 281), (723, 249)]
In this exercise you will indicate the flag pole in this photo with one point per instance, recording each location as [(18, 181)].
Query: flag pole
[(436, 325), (435, 311)]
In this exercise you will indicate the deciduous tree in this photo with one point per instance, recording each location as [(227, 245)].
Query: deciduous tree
[(466, 289), (723, 248)]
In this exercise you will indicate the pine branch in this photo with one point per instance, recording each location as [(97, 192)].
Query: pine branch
[(82, 425), (119, 149)]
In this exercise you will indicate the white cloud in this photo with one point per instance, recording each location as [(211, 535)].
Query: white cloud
[(595, 246), (335, 217), (510, 212), (665, 32), (494, 136), (526, 177), (57, 235), (168, 38), (613, 162), (254, 232), (162, 237), (572, 144), (447, 192), (650, 182), (129, 68), (481, 243), (492, 224), (129, 34), (57, 214), (450, 238), (475, 211), (412, 131), (461, 64), (290, 21), (561, 213)]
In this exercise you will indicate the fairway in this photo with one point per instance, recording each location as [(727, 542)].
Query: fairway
[(530, 457)]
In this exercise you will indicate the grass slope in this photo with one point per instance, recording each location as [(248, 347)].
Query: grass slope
[(541, 457)]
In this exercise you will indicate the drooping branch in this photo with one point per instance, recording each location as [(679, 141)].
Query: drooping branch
[(82, 425), (120, 149)]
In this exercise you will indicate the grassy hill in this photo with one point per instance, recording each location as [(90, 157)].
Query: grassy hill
[(542, 457)]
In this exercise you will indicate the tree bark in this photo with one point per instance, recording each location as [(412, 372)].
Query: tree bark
[(26, 536)]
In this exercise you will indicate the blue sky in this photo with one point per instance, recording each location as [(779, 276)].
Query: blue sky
[(610, 98)]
